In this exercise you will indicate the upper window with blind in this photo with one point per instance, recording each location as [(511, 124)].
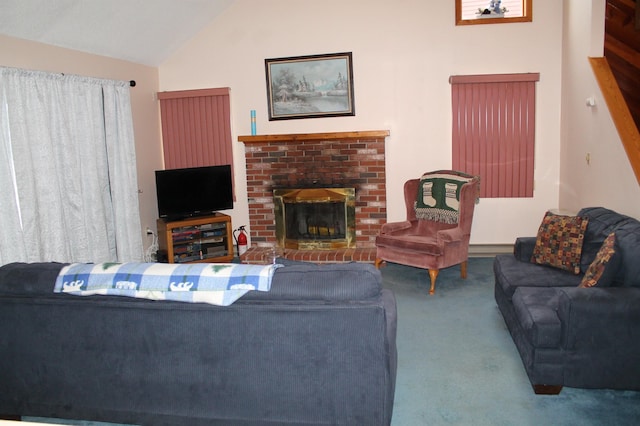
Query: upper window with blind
[(472, 12), (493, 134), (196, 128)]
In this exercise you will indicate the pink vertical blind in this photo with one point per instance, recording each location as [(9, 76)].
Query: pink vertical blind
[(196, 128), (494, 131)]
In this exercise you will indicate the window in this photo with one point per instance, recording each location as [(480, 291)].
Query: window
[(493, 131), (67, 169), (495, 11), (196, 128)]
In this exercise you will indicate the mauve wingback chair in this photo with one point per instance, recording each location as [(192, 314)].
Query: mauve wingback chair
[(436, 233)]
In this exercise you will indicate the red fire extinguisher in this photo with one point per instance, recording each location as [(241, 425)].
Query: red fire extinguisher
[(241, 240)]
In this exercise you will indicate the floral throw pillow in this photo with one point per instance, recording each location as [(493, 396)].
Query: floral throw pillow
[(559, 242), (603, 268)]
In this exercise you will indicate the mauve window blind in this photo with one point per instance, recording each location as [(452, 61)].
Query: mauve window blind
[(494, 131), (196, 128)]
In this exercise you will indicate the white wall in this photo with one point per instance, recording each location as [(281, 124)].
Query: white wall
[(608, 180), (403, 54)]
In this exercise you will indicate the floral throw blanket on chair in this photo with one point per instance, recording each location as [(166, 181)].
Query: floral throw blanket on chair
[(439, 195)]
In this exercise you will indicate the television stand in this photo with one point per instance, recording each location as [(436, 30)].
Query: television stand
[(196, 240)]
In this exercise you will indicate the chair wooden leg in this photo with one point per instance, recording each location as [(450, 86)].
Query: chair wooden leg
[(433, 274), (378, 263), (463, 270)]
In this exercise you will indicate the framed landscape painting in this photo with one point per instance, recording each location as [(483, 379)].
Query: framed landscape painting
[(310, 86)]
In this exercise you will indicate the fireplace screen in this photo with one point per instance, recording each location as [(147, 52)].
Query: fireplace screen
[(315, 218)]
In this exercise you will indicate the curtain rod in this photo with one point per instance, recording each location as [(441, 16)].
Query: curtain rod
[(132, 83)]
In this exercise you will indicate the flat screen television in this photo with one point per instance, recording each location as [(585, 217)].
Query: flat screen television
[(194, 191)]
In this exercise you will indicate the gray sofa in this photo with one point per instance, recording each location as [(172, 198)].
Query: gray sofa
[(571, 336), (319, 348)]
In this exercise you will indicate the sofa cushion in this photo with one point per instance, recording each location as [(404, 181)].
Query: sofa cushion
[(602, 270), (29, 278), (325, 282), (559, 242), (510, 273)]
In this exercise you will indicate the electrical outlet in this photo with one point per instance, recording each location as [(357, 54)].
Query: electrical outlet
[(149, 231)]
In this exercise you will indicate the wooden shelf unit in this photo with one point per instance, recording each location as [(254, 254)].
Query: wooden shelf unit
[(194, 240)]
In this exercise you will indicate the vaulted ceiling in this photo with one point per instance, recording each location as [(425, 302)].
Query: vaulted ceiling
[(149, 31), (142, 31)]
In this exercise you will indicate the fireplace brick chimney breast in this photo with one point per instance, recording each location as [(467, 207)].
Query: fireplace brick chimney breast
[(341, 159)]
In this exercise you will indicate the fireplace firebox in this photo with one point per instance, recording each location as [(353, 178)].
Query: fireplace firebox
[(315, 218)]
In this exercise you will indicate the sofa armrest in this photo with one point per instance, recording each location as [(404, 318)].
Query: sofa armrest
[(601, 320), (523, 248), (601, 336)]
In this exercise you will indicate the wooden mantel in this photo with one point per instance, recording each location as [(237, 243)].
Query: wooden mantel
[(368, 134)]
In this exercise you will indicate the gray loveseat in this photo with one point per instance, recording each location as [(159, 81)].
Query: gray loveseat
[(319, 348), (571, 336)]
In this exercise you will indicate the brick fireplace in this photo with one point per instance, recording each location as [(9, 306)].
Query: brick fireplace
[(316, 160), (315, 218)]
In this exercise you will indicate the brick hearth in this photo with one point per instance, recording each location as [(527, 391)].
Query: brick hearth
[(346, 159), (262, 255)]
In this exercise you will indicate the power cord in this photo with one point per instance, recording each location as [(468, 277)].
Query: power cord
[(151, 255)]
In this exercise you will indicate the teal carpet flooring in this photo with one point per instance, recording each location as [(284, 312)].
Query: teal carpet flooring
[(457, 364)]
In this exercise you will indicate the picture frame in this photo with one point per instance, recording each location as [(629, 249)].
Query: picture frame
[(310, 86), (493, 12)]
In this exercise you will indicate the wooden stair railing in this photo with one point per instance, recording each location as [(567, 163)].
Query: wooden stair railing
[(622, 119), (622, 50)]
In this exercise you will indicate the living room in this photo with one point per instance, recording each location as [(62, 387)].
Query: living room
[(404, 53), (398, 53)]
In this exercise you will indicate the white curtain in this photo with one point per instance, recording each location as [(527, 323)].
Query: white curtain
[(68, 183)]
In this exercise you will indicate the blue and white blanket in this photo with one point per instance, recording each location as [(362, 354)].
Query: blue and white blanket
[(213, 283)]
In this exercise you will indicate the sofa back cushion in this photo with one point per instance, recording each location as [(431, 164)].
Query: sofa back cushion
[(602, 222), (325, 282), (628, 244), (36, 279), (294, 281)]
